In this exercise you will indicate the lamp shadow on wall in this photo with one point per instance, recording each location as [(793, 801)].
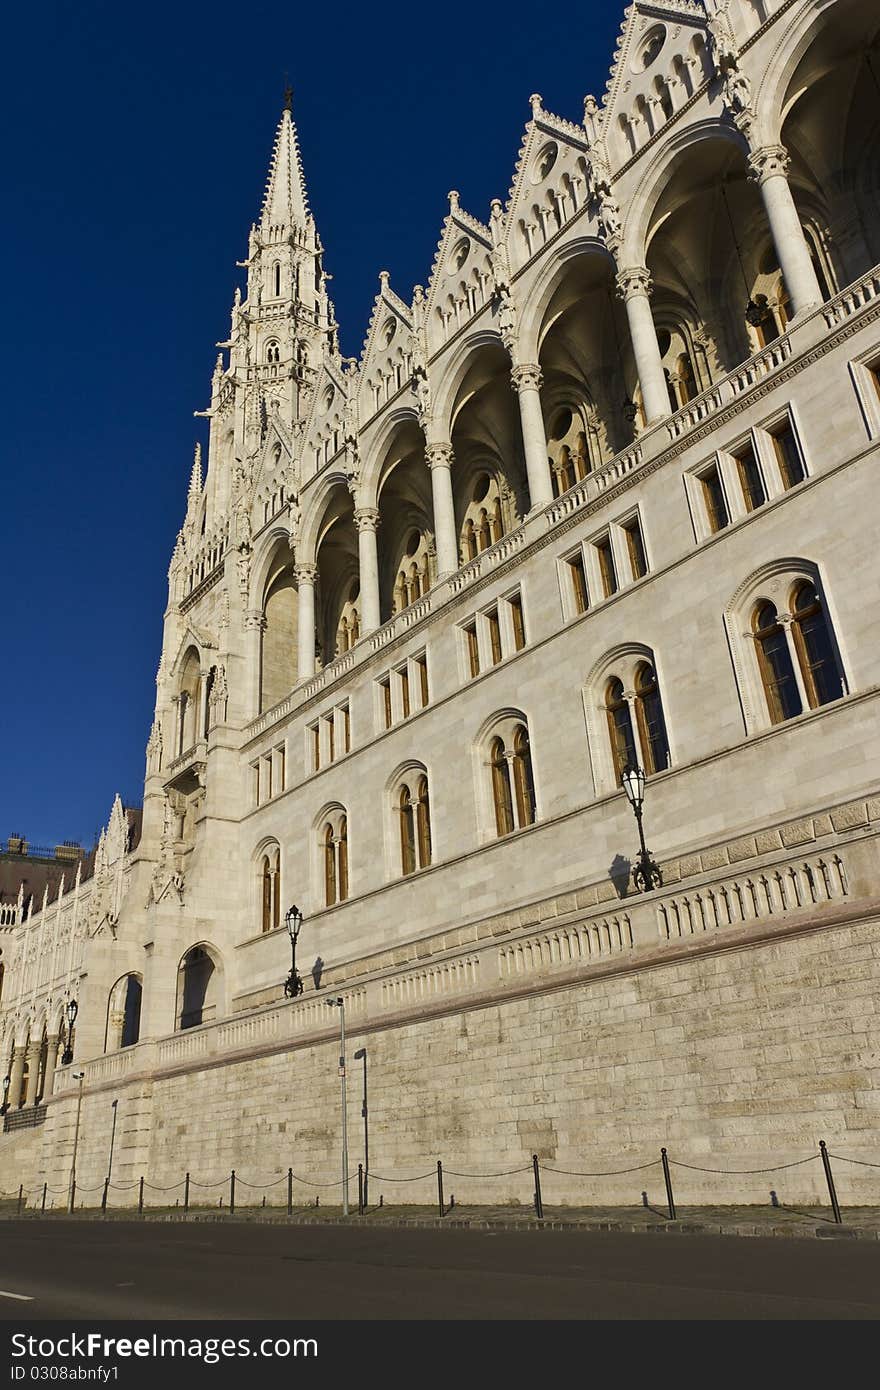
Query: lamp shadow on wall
[(620, 871), (317, 972)]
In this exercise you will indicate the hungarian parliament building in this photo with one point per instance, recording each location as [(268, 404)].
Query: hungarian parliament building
[(518, 688)]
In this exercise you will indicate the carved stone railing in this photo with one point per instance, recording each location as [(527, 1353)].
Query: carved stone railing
[(446, 977), (592, 940), (852, 299), (765, 893)]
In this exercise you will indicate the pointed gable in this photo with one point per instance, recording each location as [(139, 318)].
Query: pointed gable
[(461, 276), (324, 427), (386, 361), (660, 59), (550, 182)]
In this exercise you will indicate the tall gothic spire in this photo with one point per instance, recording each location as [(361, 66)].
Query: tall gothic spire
[(285, 203)]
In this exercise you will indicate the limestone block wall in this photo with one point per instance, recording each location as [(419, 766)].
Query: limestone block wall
[(737, 1052)]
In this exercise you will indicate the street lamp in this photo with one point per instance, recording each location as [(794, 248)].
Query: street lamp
[(71, 1011), (361, 1056), (77, 1076), (646, 873), (293, 920), (115, 1103), (339, 1003), (7, 1082)]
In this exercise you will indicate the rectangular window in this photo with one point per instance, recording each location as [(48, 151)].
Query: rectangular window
[(267, 775), (282, 767), (404, 691), (385, 692), (421, 663), (788, 454), (473, 649), (578, 576), (315, 733), (874, 374), (255, 783), (494, 635), (606, 566), (517, 621), (750, 478), (331, 741), (636, 548), (345, 728), (713, 496)]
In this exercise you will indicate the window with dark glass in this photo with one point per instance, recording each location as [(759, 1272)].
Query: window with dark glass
[(774, 662), (649, 714), (750, 478), (606, 566), (620, 729), (814, 647), (501, 792), (713, 496), (788, 454), (636, 547), (517, 622), (578, 576)]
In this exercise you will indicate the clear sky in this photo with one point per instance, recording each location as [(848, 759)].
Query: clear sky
[(137, 140)]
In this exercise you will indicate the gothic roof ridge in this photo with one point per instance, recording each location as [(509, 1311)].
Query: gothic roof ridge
[(385, 295), (659, 9), (559, 125), (466, 222), (285, 201)]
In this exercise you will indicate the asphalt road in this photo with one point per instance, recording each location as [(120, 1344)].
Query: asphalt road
[(158, 1271)]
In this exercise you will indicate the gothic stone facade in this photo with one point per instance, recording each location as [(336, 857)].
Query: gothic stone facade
[(601, 494)]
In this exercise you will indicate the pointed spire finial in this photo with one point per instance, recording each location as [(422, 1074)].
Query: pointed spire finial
[(285, 203), (195, 477), (288, 95)]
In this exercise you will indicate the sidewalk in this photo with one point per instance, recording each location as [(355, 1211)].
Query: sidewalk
[(862, 1223)]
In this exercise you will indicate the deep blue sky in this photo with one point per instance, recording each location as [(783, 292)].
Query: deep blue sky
[(137, 144)]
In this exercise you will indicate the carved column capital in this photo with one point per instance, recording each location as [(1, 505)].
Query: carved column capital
[(305, 573), (633, 281), (367, 518), (527, 377), (768, 162), (439, 455), (254, 620)]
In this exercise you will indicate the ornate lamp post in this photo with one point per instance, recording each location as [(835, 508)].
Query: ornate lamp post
[(646, 873), (67, 1055), (7, 1081), (293, 920), (71, 1198)]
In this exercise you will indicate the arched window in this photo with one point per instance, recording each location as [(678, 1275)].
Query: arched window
[(333, 849), (815, 650), (407, 832), (483, 520), (423, 824), (620, 729), (649, 717), (199, 987), (522, 777), (273, 352), (501, 793), (270, 889), (774, 662)]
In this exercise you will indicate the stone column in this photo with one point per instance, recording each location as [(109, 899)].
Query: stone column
[(305, 576), (440, 457), (15, 1075), (203, 707), (367, 521), (768, 167), (527, 379), (53, 1044), (634, 288), (33, 1060), (254, 626)]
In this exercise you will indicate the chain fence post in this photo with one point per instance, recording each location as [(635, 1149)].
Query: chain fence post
[(829, 1178), (440, 1202), (43, 1202), (186, 1195), (141, 1196), (20, 1195), (360, 1189), (290, 1192), (668, 1180), (104, 1197), (232, 1193), (539, 1205)]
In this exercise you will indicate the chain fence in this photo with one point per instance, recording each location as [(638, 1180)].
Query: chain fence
[(76, 1196)]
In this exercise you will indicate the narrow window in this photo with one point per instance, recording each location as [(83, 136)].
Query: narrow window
[(788, 455), (423, 823), (386, 702), (649, 715), (266, 879), (329, 866), (404, 691), (812, 640), (473, 649), (345, 721), (578, 576), (636, 548), (874, 374), (315, 732), (276, 889), (620, 729), (774, 662), (277, 278), (267, 769), (713, 496), (331, 741), (750, 479), (407, 832), (501, 788), (282, 768), (606, 566), (422, 665), (522, 778), (494, 635), (343, 859), (517, 622)]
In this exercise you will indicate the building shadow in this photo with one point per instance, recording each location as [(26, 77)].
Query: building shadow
[(619, 872)]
